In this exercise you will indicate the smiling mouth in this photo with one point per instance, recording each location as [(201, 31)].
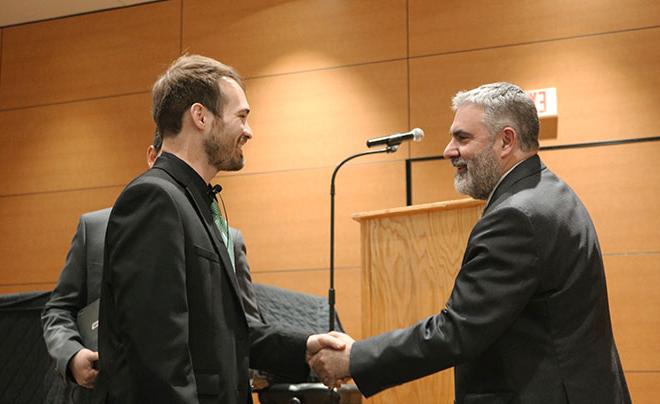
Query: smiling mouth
[(460, 166)]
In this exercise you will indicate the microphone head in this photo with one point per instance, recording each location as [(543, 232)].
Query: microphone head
[(418, 134), (216, 189)]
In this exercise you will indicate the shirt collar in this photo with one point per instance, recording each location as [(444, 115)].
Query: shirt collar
[(502, 179), (192, 178)]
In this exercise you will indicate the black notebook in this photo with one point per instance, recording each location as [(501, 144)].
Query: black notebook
[(88, 325)]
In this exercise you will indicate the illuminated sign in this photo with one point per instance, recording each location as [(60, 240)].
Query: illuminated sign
[(545, 100)]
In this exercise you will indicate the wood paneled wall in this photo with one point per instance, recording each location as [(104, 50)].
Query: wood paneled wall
[(322, 77)]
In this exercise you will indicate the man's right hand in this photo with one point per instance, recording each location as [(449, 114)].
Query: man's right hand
[(331, 361), (81, 366)]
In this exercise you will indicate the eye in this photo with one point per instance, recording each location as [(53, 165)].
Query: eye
[(461, 136)]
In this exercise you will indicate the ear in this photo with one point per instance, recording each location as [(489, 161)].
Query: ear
[(152, 155), (199, 115), (509, 141)]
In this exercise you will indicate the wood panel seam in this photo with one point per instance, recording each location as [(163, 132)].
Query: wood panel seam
[(630, 253), (322, 69), (59, 191), (105, 10), (2, 42), (73, 101), (408, 93), (642, 371), (539, 41), (27, 283), (299, 169), (291, 270), (181, 28), (469, 50)]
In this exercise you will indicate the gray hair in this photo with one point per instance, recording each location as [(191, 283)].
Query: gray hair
[(504, 104)]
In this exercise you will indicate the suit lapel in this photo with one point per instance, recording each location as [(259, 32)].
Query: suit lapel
[(204, 213), (201, 204)]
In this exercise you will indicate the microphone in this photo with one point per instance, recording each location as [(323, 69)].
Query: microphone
[(215, 189), (392, 140)]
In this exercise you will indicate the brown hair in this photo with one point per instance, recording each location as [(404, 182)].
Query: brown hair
[(189, 79)]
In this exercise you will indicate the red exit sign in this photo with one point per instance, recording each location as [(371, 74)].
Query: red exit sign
[(545, 100)]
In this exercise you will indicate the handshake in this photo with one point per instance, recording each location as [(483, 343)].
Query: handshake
[(329, 356)]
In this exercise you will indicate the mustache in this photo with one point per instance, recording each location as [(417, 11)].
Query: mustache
[(457, 162)]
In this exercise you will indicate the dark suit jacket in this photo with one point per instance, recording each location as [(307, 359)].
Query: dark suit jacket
[(80, 284), (172, 326), (527, 320)]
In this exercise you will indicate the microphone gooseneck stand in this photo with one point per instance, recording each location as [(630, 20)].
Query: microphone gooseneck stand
[(331, 291)]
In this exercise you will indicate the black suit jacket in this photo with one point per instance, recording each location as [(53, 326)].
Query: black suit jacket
[(80, 284), (172, 325), (527, 320)]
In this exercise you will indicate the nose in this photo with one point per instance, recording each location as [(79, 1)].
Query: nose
[(451, 151), (247, 131)]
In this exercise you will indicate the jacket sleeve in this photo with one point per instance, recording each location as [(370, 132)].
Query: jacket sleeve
[(146, 272), (273, 348), (58, 318), (244, 277), (498, 276), (278, 350)]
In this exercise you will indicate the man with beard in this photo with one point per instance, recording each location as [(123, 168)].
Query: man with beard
[(172, 326), (80, 285), (527, 320)]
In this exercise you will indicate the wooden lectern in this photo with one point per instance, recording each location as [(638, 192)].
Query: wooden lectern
[(410, 257)]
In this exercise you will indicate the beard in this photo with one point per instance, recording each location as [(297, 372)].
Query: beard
[(480, 176), (221, 152)]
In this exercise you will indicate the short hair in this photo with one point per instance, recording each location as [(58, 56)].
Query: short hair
[(189, 79), (504, 104), (158, 141)]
